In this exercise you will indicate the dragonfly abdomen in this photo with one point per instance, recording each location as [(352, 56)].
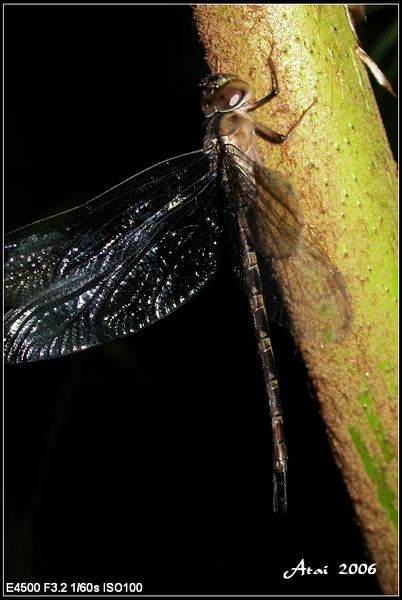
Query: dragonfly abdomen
[(253, 287)]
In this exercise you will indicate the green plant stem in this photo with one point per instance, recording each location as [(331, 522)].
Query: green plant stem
[(339, 161)]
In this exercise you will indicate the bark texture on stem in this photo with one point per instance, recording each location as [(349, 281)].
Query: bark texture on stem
[(339, 161)]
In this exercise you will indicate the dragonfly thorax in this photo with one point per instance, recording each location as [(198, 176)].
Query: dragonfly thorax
[(234, 129)]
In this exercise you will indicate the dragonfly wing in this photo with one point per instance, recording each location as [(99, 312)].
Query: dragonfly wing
[(114, 265), (316, 297), (303, 290), (273, 207)]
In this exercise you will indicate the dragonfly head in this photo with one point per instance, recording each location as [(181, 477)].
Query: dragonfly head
[(223, 93)]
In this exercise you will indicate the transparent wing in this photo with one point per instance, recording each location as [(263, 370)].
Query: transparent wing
[(303, 290), (114, 265)]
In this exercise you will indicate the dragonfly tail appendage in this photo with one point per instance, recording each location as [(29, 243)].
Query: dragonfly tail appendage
[(280, 499)]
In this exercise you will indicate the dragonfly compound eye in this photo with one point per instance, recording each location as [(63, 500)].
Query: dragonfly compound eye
[(224, 95), (232, 95), (207, 103)]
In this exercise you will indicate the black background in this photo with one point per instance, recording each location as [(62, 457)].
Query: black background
[(149, 459)]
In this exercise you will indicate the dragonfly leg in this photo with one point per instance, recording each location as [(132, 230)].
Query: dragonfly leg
[(273, 136), (263, 130), (274, 92)]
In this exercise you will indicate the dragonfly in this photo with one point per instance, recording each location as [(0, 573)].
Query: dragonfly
[(139, 251)]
